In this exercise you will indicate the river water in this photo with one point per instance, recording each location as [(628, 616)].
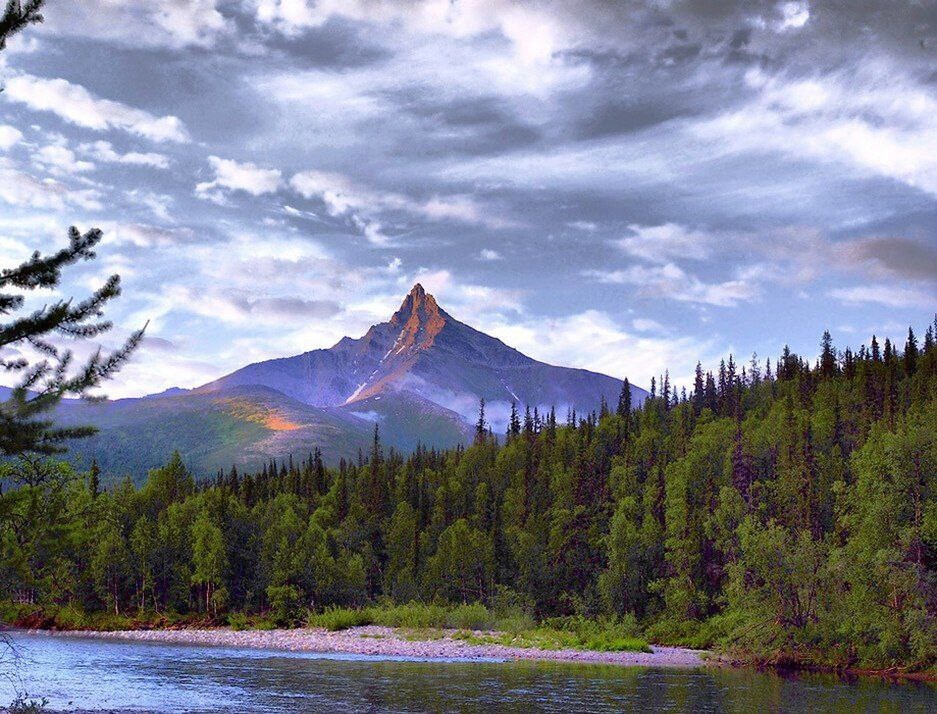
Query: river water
[(95, 674)]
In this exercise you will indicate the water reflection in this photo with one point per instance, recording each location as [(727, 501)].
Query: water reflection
[(94, 674)]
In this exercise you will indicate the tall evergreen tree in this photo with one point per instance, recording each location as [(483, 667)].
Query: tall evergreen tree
[(624, 400), (481, 426)]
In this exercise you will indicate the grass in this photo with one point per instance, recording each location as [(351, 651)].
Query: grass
[(548, 638), (412, 616), (476, 624), (473, 623), (339, 618)]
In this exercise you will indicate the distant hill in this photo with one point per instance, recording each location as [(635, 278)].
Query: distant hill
[(420, 376)]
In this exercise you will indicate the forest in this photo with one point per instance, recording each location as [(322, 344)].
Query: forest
[(781, 511)]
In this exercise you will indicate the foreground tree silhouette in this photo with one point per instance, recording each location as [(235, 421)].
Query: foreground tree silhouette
[(16, 16), (44, 371)]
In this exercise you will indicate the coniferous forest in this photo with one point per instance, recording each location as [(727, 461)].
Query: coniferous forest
[(782, 511)]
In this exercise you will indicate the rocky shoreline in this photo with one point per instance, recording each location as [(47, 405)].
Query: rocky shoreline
[(373, 640)]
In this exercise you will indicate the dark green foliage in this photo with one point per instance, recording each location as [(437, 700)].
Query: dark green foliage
[(786, 517), (44, 382), (16, 16)]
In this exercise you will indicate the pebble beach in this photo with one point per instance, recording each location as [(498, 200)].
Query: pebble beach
[(381, 641)]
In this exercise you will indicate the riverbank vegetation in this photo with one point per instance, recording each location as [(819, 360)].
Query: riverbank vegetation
[(781, 511)]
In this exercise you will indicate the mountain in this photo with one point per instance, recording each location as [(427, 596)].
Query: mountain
[(420, 376)]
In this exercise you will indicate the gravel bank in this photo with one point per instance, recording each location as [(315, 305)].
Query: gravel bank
[(388, 642)]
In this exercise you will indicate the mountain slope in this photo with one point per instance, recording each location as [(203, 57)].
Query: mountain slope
[(425, 351), (419, 376)]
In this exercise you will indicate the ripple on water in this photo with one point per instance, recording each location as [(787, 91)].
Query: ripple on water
[(148, 676)]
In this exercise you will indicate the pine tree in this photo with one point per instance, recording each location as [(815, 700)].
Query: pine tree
[(514, 426), (910, 353), (43, 383), (827, 356), (17, 16), (624, 400), (94, 479), (481, 428), (698, 390)]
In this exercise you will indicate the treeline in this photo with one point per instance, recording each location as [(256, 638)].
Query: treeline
[(785, 511)]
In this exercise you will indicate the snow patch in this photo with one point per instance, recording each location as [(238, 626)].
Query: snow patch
[(356, 392), (516, 399)]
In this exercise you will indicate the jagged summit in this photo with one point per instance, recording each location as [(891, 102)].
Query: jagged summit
[(420, 375), (420, 319), (423, 352)]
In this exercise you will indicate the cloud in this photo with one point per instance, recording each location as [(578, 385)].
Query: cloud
[(142, 235), (874, 119), (887, 295), (660, 244), (104, 151), (148, 23), (670, 281), (362, 205), (643, 324), (235, 176), (593, 340), (9, 136), (488, 254), (76, 105), (60, 160), (22, 189), (890, 256), (794, 15), (239, 307)]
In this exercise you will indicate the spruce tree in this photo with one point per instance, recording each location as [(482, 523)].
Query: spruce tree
[(45, 381), (42, 382), (481, 429), (624, 400), (17, 16), (910, 353)]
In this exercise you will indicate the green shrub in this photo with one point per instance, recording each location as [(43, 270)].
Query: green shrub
[(412, 615), (238, 621), (469, 617), (339, 618), (515, 623)]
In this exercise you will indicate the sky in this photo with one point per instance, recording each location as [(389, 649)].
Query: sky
[(619, 186)]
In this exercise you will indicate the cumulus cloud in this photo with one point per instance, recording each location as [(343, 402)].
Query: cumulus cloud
[(660, 244), (644, 324), (593, 340), (143, 235), (150, 23), (104, 151), (793, 15), (18, 188), (875, 119), (242, 307), (488, 254), (670, 281), (887, 295), (76, 105), (9, 136), (362, 205), (235, 176), (60, 160)]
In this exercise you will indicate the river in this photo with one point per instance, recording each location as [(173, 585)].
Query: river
[(94, 674)]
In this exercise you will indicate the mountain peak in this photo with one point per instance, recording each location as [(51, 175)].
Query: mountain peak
[(419, 320), (418, 305)]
